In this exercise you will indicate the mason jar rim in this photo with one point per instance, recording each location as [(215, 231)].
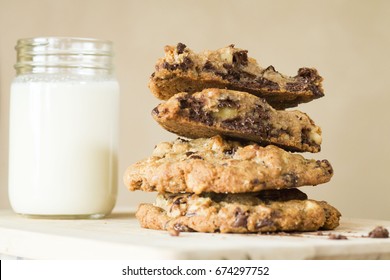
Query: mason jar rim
[(62, 52), (41, 39)]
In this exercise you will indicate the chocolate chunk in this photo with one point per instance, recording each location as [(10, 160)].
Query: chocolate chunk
[(183, 140), (305, 132), (240, 58), (334, 236), (316, 90), (324, 163), (255, 181), (379, 232), (178, 201), (228, 103), (193, 109), (255, 122), (208, 66), (227, 66), (180, 48), (230, 152), (265, 83), (170, 67), (306, 80), (241, 218), (282, 195), (196, 157), (309, 74), (264, 223), (186, 64), (155, 111), (291, 179)]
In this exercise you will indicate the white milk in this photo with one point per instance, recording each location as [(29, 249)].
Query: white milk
[(63, 147)]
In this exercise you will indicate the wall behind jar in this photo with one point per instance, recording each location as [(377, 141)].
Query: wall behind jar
[(347, 41)]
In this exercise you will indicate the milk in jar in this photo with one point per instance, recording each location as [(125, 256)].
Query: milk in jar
[(64, 109)]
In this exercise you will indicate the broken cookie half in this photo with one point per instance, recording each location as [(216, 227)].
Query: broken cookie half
[(238, 115), (182, 70)]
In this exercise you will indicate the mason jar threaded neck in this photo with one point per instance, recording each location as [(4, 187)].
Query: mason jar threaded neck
[(48, 55)]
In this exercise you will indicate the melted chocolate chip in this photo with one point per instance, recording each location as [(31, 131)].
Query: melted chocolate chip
[(180, 48), (254, 122), (241, 218), (193, 109), (379, 232)]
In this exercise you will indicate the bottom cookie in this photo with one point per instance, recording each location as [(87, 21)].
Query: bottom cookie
[(267, 211)]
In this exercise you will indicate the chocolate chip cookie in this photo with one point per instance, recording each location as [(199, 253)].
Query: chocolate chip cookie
[(219, 165), (267, 211), (182, 70), (240, 115)]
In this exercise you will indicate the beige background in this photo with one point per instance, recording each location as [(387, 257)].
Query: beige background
[(347, 41)]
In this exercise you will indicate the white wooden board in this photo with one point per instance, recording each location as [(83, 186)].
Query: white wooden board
[(120, 237)]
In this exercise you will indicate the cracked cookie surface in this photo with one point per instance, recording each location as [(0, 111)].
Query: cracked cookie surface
[(240, 115), (219, 165), (182, 70), (266, 211)]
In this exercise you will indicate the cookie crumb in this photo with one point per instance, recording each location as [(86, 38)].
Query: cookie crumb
[(337, 236), (174, 232), (379, 232), (320, 233)]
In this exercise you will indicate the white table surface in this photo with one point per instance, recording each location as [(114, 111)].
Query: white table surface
[(120, 237)]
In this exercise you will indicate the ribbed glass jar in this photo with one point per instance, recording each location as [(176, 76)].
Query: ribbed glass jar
[(64, 109)]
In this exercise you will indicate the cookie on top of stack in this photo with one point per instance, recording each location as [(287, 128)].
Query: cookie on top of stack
[(235, 170)]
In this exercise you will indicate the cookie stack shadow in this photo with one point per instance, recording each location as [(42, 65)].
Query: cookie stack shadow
[(236, 165)]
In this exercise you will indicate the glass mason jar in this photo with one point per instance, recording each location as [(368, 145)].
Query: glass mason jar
[(64, 109)]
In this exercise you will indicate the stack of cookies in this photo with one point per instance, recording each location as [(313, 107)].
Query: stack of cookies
[(235, 166)]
